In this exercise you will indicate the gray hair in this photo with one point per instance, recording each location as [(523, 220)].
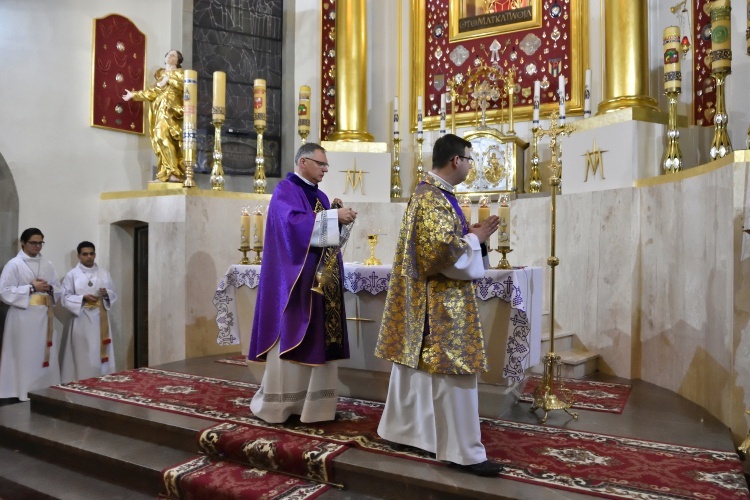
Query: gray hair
[(307, 149)]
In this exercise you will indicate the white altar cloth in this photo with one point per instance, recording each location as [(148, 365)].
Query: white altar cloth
[(514, 329)]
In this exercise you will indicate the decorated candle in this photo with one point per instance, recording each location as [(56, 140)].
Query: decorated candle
[(561, 97), (466, 209), (218, 108), (258, 227), (484, 208), (259, 102), (442, 114), (303, 110), (721, 36), (503, 231), (587, 96), (419, 116), (395, 117), (245, 228), (537, 92), (672, 74), (190, 103), (747, 32)]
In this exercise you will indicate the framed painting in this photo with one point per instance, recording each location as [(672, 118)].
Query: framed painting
[(478, 18), (538, 41)]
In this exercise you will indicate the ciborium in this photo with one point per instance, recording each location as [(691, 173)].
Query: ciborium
[(372, 240)]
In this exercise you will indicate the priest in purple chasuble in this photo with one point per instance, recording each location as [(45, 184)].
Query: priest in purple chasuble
[(297, 332), (430, 328)]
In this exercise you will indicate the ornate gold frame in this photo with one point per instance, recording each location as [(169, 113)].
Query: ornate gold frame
[(455, 35), (579, 46)]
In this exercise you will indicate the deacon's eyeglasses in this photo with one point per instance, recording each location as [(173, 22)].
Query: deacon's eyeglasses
[(321, 163), (36, 243), (467, 158)]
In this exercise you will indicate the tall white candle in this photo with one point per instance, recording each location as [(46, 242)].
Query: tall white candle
[(561, 97), (537, 93), (587, 96), (442, 115), (419, 115), (395, 117)]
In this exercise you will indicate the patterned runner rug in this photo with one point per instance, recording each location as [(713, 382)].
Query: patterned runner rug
[(239, 360), (587, 395), (584, 462)]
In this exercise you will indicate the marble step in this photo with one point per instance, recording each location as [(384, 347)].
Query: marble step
[(564, 340), (576, 363), (113, 458), (20, 478)]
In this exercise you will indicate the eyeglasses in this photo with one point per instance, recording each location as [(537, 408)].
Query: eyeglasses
[(467, 158), (321, 163), (35, 243)]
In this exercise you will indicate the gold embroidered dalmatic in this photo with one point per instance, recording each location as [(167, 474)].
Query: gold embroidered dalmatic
[(420, 297)]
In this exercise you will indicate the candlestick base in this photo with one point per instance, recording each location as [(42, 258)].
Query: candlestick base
[(396, 169), (551, 393), (672, 161), (257, 260), (259, 183), (721, 145), (188, 153), (244, 261), (535, 178), (419, 169), (217, 170), (504, 264)]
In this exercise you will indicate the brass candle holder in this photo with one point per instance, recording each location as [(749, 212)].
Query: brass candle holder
[(372, 240), (551, 393), (535, 179), (672, 161), (217, 170), (503, 233), (419, 169), (721, 145), (259, 183), (245, 260), (504, 264), (258, 249), (396, 169), (189, 144)]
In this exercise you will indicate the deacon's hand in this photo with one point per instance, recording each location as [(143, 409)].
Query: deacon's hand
[(346, 215), (484, 229)]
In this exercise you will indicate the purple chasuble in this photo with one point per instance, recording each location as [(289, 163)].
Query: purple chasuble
[(286, 309)]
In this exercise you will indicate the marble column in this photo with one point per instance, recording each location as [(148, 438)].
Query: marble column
[(626, 39), (351, 72)]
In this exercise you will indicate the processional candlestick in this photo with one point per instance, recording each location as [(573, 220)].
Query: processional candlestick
[(551, 394)]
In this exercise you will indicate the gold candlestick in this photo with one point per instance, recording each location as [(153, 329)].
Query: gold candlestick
[(420, 162), (396, 169), (188, 152), (504, 264), (551, 393), (535, 179), (672, 161), (217, 170), (721, 145), (257, 249), (260, 163), (244, 261), (372, 240)]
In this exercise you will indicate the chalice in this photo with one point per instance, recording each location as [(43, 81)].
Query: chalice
[(372, 240)]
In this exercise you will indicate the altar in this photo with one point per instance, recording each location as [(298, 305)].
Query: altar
[(510, 308)]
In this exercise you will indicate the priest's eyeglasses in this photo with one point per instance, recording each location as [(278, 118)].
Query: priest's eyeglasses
[(467, 158), (321, 163), (36, 243)]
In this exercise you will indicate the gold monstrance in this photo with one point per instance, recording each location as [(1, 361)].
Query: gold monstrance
[(546, 394)]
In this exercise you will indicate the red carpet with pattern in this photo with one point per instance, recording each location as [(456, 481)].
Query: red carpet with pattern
[(587, 394), (584, 462)]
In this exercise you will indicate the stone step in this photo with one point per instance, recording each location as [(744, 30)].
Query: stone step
[(28, 478), (133, 463), (576, 363), (564, 340)]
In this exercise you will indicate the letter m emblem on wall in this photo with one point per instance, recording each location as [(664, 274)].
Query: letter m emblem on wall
[(594, 162)]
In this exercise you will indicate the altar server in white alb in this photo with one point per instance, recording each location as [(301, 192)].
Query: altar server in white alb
[(88, 293), (29, 285)]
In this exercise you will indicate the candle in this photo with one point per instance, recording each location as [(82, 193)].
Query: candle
[(587, 96), (245, 228), (303, 110), (561, 97), (259, 102), (395, 117), (442, 115), (672, 74), (218, 109), (537, 92), (258, 227), (503, 232), (721, 36), (484, 209), (190, 104), (419, 116), (747, 33), (466, 209)]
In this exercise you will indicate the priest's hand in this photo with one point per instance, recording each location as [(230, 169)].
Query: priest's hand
[(484, 229), (89, 299), (346, 215), (41, 285)]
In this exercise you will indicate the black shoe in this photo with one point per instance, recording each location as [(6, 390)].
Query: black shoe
[(487, 468)]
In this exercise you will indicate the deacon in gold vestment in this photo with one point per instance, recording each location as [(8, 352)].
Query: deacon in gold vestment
[(430, 328), (165, 117)]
